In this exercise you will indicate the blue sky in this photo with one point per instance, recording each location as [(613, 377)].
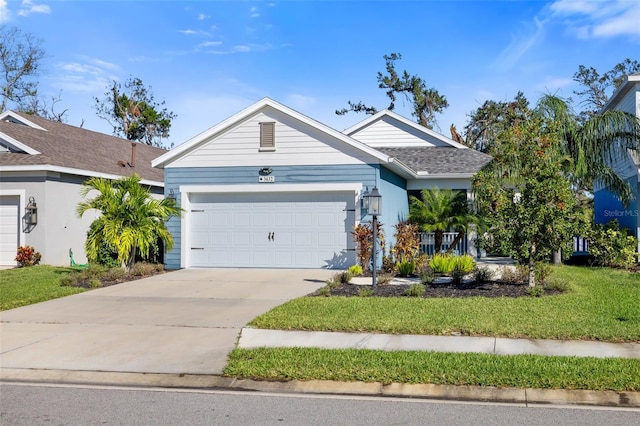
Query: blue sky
[(210, 59)]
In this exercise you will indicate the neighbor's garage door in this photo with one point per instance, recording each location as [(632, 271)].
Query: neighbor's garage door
[(9, 229), (277, 230)]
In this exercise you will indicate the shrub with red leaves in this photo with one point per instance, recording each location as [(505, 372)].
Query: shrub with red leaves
[(27, 256)]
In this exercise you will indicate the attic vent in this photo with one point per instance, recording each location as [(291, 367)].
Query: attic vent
[(267, 136)]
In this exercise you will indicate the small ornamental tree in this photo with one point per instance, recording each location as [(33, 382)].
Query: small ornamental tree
[(524, 194), (363, 237), (131, 219)]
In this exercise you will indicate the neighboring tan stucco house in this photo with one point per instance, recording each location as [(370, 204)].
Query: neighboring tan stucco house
[(48, 161), (627, 165), (271, 187)]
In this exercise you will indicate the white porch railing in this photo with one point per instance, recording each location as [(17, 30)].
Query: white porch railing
[(427, 243)]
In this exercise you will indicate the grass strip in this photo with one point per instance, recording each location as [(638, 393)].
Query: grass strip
[(602, 306), (520, 371), (34, 284)]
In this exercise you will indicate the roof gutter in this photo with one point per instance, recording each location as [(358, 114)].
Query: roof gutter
[(71, 171)]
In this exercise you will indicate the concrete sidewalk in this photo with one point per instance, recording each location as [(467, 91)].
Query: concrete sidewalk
[(254, 338)]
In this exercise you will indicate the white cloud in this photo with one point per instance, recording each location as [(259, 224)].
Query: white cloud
[(554, 84), (521, 44), (5, 13), (595, 19), (28, 8), (91, 75), (187, 32), (299, 101), (210, 44), (202, 17)]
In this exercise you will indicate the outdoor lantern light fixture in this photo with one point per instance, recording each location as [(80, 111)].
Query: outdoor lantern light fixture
[(31, 213), (171, 195), (373, 202), (365, 199)]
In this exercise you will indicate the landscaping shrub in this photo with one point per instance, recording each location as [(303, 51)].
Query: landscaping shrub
[(427, 276), (406, 268), (483, 274), (27, 256), (115, 274), (415, 290), (365, 292), (69, 280), (407, 245), (465, 263), (611, 246), (457, 275), (345, 277), (355, 270), (325, 291), (441, 264), (140, 269)]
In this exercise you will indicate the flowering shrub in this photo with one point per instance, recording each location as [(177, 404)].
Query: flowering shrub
[(27, 256), (611, 246)]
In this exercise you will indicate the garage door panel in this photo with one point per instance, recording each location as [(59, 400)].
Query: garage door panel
[(305, 230), (9, 229)]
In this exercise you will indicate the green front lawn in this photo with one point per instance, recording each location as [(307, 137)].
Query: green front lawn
[(520, 371), (24, 286), (604, 305)]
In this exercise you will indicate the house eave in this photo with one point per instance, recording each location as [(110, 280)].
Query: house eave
[(427, 175), (72, 171), (621, 91)]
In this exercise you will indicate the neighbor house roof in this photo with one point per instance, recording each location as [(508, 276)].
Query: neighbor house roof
[(439, 160), (35, 143)]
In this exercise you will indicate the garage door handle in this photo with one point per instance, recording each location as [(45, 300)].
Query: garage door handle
[(270, 236), (197, 248)]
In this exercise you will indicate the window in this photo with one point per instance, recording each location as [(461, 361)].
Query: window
[(267, 137)]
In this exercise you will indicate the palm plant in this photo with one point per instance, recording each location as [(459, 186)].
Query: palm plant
[(593, 144), (439, 210), (131, 219)]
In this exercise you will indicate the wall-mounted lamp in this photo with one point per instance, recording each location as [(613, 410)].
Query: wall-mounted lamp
[(266, 171), (171, 195), (31, 213)]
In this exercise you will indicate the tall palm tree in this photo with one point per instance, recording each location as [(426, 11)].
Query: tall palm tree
[(131, 219), (593, 144), (439, 210)]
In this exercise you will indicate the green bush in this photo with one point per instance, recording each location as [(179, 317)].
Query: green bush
[(611, 246), (355, 270), (365, 291), (69, 280), (345, 277), (465, 264), (442, 264), (406, 268), (415, 290), (457, 275), (114, 274), (427, 276), (483, 274), (446, 264), (141, 269), (324, 291)]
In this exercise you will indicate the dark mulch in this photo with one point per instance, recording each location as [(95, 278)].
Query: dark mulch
[(467, 289)]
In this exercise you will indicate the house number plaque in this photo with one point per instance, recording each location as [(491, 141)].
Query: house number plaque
[(266, 179)]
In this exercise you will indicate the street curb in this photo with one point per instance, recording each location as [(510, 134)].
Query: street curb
[(328, 387)]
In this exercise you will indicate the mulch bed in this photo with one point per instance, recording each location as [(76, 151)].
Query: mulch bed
[(467, 289)]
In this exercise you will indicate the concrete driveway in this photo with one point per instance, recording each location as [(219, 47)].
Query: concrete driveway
[(183, 322)]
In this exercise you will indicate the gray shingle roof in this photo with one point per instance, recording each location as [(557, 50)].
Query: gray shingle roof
[(68, 146), (437, 160)]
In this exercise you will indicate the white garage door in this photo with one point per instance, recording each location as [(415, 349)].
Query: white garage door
[(9, 229), (277, 230)]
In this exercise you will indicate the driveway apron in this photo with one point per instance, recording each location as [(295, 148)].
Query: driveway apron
[(183, 322)]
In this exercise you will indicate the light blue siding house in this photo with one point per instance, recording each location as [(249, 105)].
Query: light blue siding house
[(270, 187), (627, 165)]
